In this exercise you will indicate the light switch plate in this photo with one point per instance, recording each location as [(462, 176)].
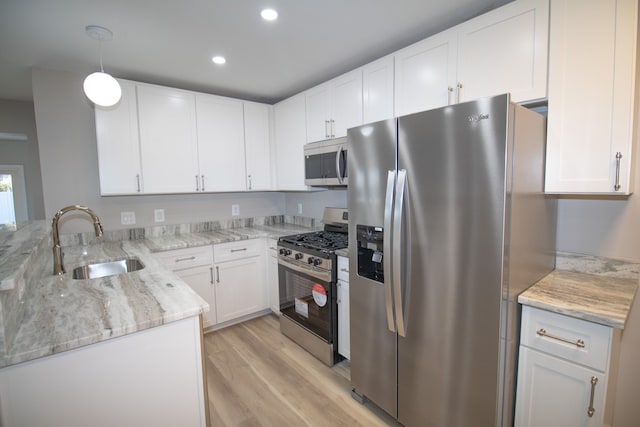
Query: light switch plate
[(299, 208), (158, 215), (235, 210)]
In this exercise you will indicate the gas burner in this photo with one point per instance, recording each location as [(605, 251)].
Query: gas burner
[(324, 241)]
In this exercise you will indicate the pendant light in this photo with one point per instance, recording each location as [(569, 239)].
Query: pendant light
[(101, 88)]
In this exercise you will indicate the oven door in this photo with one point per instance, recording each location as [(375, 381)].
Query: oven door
[(306, 298)]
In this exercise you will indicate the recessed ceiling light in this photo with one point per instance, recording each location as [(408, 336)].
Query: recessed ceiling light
[(218, 60), (269, 14)]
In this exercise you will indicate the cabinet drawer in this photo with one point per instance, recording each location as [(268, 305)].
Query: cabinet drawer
[(237, 250), (179, 259), (343, 268), (576, 340)]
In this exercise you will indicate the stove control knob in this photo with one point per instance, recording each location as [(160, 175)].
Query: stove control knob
[(298, 256), (317, 261), (311, 260), (285, 252)]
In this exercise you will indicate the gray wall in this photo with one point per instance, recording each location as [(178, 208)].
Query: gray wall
[(314, 203), (18, 117)]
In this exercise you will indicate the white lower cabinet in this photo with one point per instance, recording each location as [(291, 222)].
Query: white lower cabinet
[(231, 277), (195, 267), (272, 275), (239, 279), (344, 335), (152, 377), (563, 371)]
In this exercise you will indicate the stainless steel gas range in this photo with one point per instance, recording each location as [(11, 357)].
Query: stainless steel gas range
[(307, 274)]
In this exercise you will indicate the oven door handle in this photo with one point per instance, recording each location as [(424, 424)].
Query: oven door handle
[(324, 276), (387, 252)]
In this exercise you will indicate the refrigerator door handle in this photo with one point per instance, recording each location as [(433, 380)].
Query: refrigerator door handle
[(387, 251), (397, 247)]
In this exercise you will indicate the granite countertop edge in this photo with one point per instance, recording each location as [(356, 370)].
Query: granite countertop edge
[(58, 313), (595, 298)]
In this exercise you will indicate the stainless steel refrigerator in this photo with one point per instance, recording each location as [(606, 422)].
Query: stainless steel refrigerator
[(447, 225)]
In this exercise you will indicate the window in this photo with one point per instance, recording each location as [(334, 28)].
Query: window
[(13, 196)]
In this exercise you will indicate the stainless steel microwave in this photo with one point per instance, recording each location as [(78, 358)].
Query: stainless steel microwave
[(325, 163)]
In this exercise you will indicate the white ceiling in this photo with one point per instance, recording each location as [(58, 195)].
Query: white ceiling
[(171, 42)]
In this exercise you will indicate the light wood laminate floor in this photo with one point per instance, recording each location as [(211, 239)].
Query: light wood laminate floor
[(258, 377)]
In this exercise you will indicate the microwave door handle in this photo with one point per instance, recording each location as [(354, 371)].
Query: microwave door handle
[(398, 260), (387, 252), (338, 170)]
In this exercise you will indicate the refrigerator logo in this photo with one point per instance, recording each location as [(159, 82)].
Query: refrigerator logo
[(475, 119)]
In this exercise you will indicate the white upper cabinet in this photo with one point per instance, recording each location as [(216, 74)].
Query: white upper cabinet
[(118, 145), (257, 133), (425, 74), (502, 51), (168, 140), (592, 96), (290, 133), (377, 90), (221, 151), (505, 51), (334, 107)]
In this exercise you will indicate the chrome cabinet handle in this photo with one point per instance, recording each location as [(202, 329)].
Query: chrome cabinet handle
[(238, 250), (387, 253), (197, 183), (346, 270), (459, 85), (211, 273), (397, 259), (618, 158), (249, 176), (338, 169), (202, 177), (138, 181), (326, 128), (191, 258), (592, 410), (333, 135), (449, 91), (217, 274), (543, 333)]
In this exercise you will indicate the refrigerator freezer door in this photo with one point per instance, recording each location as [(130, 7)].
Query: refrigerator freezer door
[(372, 154), (451, 261)]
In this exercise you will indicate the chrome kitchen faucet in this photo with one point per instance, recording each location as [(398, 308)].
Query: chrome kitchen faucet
[(58, 267)]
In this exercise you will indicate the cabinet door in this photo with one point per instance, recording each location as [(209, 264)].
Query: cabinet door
[(591, 96), (346, 103), (554, 392), (168, 141), (257, 133), (505, 51), (118, 144), (344, 335), (220, 143), (318, 113), (425, 74), (290, 135), (272, 275), (201, 281), (377, 90), (240, 288)]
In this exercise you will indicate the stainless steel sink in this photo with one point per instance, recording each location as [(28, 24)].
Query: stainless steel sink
[(109, 268)]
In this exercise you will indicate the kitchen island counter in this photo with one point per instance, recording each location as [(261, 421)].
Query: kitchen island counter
[(42, 314)]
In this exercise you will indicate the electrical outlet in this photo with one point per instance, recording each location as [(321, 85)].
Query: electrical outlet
[(158, 215), (299, 208), (235, 210), (128, 218)]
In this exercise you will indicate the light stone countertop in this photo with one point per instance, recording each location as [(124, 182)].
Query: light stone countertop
[(42, 314), (596, 298)]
